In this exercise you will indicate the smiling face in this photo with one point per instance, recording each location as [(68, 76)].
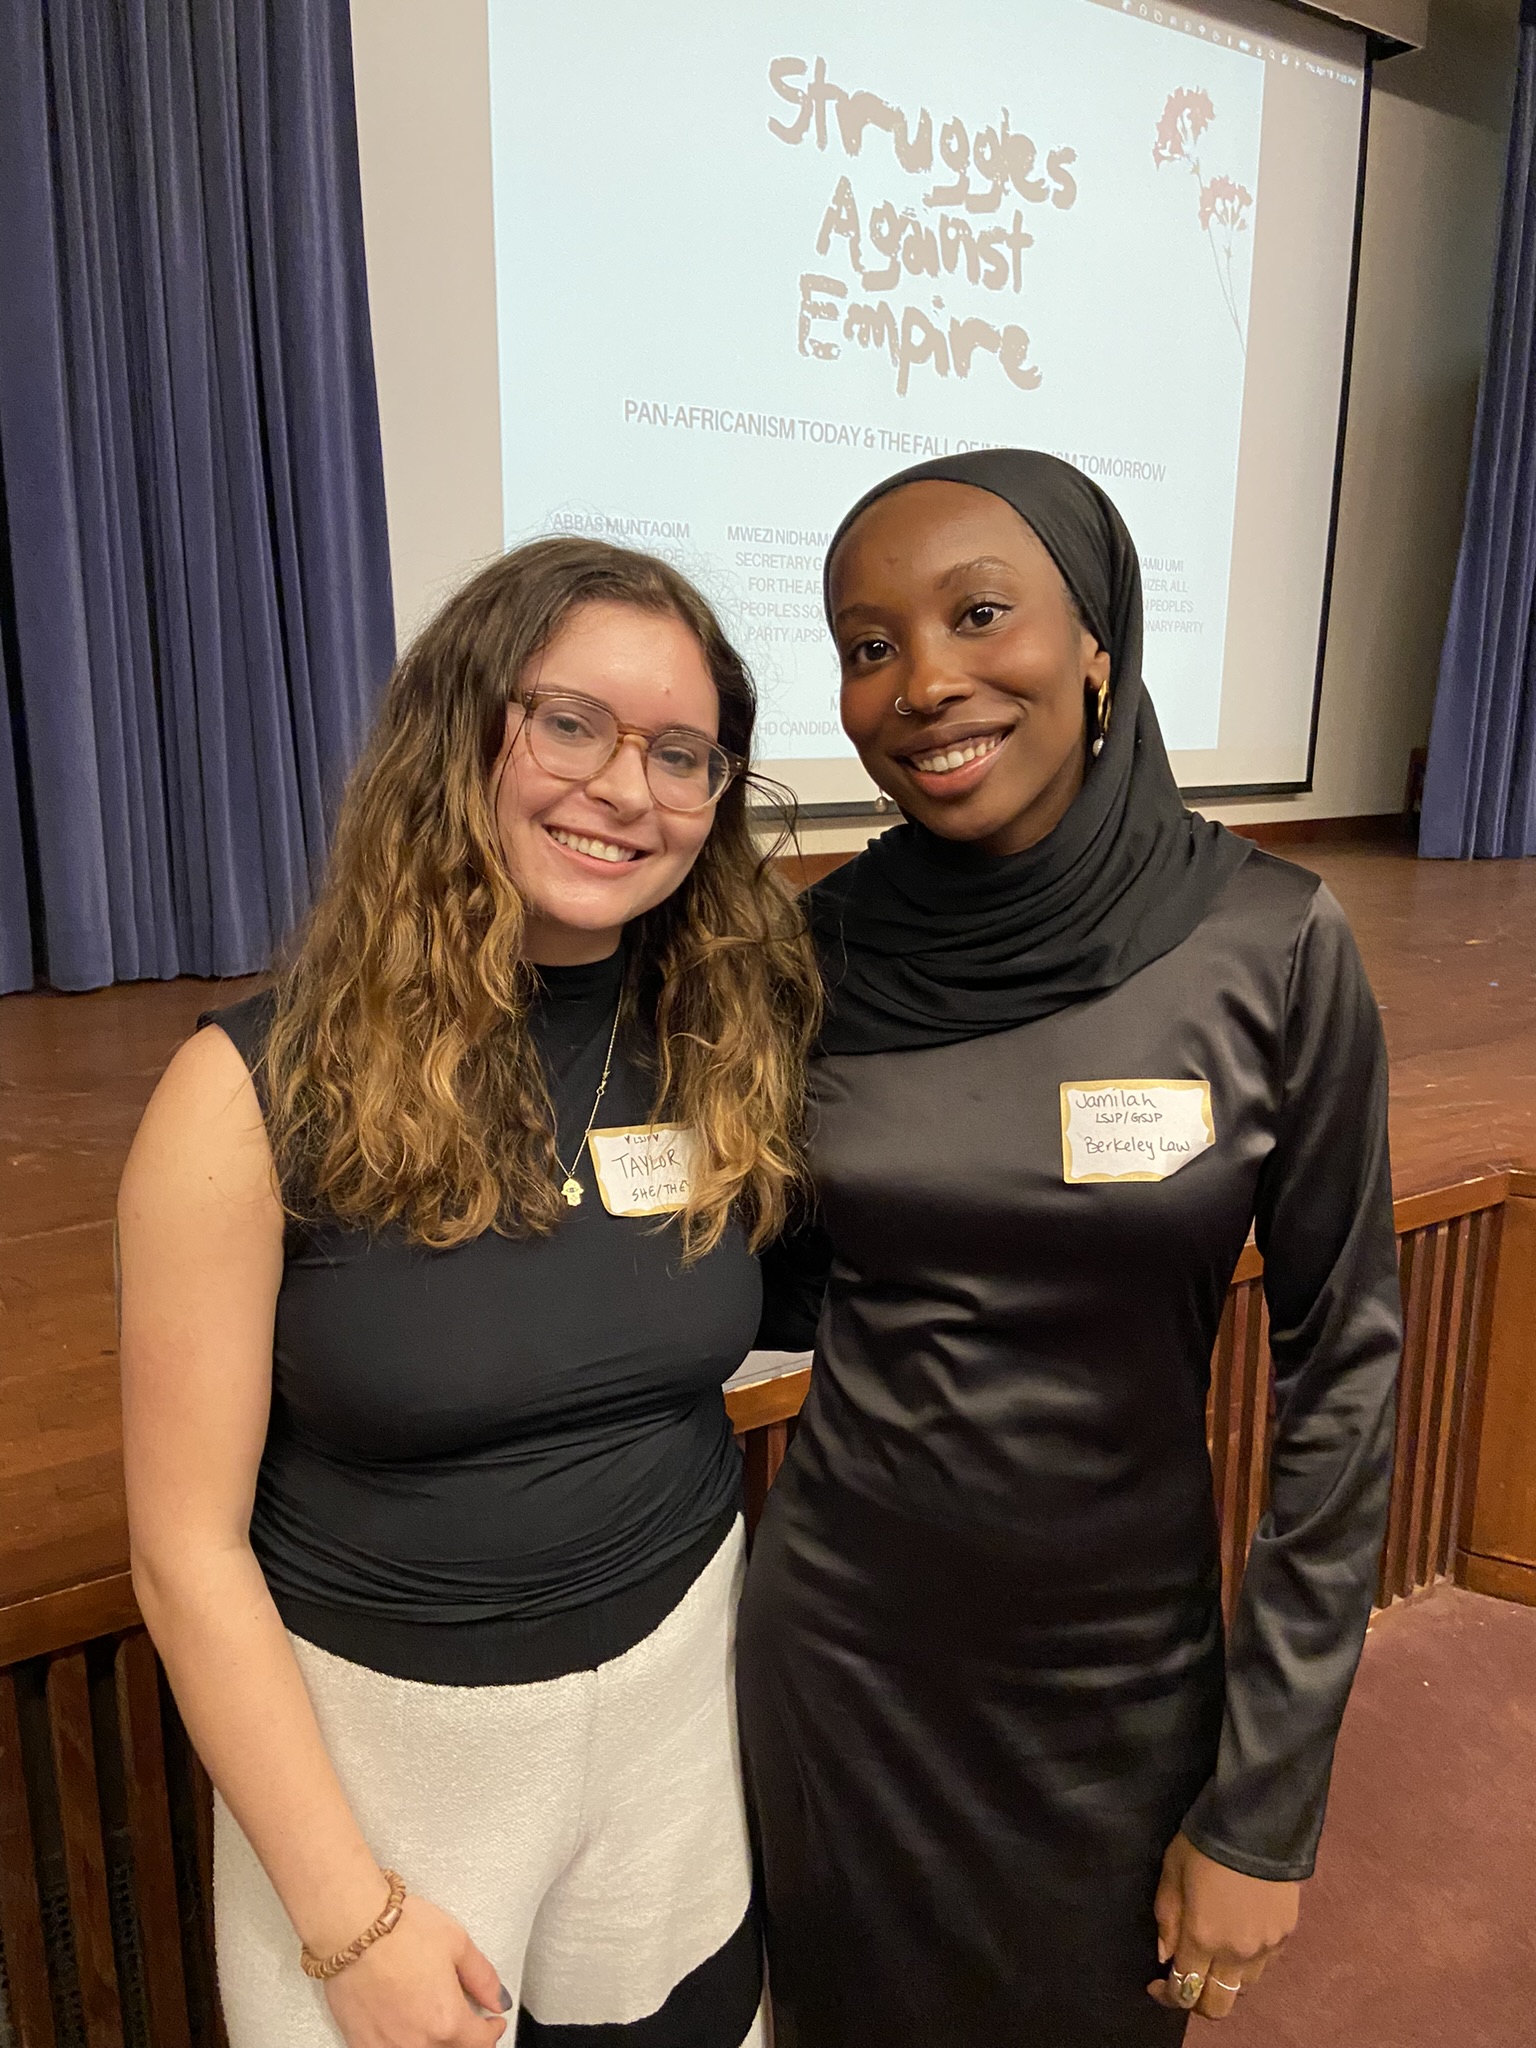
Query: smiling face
[(588, 857), (943, 598)]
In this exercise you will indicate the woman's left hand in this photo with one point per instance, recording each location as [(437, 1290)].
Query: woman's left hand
[(1216, 1926)]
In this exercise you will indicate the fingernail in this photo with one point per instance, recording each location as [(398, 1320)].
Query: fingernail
[(1163, 1951), (505, 2000)]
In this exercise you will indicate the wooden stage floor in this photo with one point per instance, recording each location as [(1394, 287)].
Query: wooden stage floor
[(1451, 949)]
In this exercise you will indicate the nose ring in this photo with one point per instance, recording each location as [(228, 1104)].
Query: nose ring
[(903, 708)]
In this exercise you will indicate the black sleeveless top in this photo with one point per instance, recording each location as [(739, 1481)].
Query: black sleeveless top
[(509, 1460)]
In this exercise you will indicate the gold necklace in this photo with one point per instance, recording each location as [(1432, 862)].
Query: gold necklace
[(571, 1188)]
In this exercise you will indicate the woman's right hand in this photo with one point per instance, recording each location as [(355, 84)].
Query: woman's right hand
[(201, 1237), (413, 1988)]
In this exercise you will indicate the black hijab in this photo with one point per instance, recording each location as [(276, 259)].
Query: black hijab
[(928, 941)]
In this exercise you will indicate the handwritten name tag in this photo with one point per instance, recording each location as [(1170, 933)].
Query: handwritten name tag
[(645, 1170), (1133, 1130)]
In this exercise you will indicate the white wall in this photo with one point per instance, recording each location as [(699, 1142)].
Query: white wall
[(1433, 185), (424, 144), (1434, 179)]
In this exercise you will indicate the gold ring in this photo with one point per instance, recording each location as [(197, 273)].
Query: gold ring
[(1187, 1986), (1233, 1988)]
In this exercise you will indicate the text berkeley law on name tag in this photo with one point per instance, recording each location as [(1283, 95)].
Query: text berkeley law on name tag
[(1133, 1130)]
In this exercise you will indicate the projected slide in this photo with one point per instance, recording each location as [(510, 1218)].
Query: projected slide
[(750, 261)]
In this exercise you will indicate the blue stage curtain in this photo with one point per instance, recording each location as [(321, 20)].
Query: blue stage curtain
[(15, 933), (1480, 781), (195, 612)]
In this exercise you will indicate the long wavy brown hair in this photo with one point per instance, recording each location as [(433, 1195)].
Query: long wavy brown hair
[(403, 1084)]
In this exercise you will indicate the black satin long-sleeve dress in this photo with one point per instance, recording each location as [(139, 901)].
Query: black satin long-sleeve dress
[(981, 1670)]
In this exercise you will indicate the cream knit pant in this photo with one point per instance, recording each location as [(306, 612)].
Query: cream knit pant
[(588, 1832)]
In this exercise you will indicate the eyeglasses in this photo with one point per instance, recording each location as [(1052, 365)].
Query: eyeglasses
[(575, 738)]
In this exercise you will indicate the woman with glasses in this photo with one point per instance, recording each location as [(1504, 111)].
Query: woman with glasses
[(434, 1259)]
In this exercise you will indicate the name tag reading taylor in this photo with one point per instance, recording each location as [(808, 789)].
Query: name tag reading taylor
[(1133, 1130), (644, 1170)]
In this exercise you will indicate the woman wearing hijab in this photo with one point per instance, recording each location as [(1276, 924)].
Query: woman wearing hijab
[(1005, 1770)]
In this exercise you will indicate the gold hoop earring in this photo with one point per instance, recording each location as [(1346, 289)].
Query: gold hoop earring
[(1104, 706)]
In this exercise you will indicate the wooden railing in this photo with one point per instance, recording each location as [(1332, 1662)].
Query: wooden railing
[(105, 1856), (105, 1880), (1464, 1480)]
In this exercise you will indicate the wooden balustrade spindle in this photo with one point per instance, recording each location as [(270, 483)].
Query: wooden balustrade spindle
[(21, 1914), (74, 1764)]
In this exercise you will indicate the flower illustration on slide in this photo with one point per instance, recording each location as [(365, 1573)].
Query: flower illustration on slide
[(1224, 204), (1185, 119)]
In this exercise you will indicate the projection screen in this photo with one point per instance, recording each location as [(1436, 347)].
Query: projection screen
[(748, 261)]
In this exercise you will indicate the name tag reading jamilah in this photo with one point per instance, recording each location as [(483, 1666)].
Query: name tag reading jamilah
[(645, 1170), (1133, 1130)]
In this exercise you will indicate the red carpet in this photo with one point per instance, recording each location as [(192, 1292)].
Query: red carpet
[(1419, 1929)]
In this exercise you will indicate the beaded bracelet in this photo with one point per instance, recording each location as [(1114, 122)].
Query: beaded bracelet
[(387, 1922)]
